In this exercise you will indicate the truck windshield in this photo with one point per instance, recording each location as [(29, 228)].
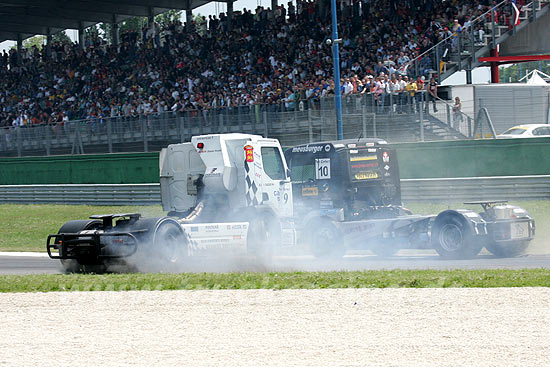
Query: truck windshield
[(302, 171), (273, 164)]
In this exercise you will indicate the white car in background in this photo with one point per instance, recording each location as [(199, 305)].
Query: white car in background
[(526, 131)]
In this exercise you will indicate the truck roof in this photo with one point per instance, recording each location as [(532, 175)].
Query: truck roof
[(337, 145)]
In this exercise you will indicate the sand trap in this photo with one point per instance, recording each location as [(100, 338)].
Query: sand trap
[(343, 327)]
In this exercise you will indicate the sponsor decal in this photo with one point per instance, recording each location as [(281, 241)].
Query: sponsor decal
[(327, 148), (310, 191), (363, 158), (370, 144), (386, 157), (366, 175), (308, 149), (249, 153), (352, 145), (386, 167), (322, 168), (365, 165), (353, 151), (372, 150), (387, 174)]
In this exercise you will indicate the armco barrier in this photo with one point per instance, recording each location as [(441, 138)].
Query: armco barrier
[(136, 194), (438, 189)]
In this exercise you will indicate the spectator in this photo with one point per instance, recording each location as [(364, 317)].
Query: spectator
[(457, 112), (411, 89), (432, 94)]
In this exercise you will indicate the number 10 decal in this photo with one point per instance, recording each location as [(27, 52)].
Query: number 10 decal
[(322, 168)]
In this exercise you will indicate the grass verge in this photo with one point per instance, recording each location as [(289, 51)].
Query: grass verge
[(290, 280), (26, 227)]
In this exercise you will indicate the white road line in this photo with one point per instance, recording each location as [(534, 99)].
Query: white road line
[(24, 254)]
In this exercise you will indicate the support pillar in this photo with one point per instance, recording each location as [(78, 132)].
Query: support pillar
[(48, 43), (151, 22), (494, 67), (81, 35), (19, 47), (115, 29), (230, 15), (274, 5), (469, 75), (188, 17)]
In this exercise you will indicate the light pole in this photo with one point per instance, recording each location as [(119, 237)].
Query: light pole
[(336, 62)]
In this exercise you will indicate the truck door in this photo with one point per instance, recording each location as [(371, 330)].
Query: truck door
[(179, 164), (277, 187)]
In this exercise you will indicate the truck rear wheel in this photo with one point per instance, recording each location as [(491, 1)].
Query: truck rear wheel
[(452, 238), (169, 246), (512, 249), (324, 239), (74, 265)]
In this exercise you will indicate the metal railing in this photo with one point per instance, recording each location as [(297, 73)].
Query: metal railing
[(429, 189), (395, 117)]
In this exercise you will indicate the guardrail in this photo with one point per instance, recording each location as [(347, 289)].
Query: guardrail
[(476, 188), (133, 194), (428, 189)]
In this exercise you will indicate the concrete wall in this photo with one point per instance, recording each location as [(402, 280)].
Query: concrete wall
[(508, 104), (533, 39)]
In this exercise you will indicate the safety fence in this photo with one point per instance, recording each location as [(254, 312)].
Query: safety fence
[(397, 117), (431, 189)]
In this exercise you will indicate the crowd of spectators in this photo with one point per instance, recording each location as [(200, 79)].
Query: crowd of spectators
[(263, 57)]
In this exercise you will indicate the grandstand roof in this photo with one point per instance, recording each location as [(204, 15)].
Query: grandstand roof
[(31, 17)]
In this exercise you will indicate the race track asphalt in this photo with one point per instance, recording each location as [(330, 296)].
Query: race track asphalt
[(25, 263)]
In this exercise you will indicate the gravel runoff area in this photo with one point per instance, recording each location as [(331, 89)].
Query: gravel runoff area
[(330, 327)]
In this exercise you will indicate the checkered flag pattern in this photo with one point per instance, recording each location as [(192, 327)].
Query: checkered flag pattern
[(253, 196)]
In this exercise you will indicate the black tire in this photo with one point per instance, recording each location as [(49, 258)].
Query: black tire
[(73, 265), (512, 249), (263, 236), (452, 238), (324, 239), (169, 247)]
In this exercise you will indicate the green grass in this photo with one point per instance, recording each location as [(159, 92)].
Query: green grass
[(26, 227), (294, 280)]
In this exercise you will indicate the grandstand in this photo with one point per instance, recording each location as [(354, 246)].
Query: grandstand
[(267, 70)]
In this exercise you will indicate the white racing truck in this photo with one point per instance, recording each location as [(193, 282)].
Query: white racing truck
[(233, 192)]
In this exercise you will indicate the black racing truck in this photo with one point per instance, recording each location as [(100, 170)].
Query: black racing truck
[(347, 195)]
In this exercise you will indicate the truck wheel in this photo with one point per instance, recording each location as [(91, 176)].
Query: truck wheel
[(325, 240), (169, 246), (507, 250), (73, 265), (452, 238)]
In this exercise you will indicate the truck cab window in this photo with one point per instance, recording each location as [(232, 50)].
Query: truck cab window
[(273, 164)]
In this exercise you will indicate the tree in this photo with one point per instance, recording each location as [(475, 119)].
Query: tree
[(38, 41), (168, 17), (61, 37)]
